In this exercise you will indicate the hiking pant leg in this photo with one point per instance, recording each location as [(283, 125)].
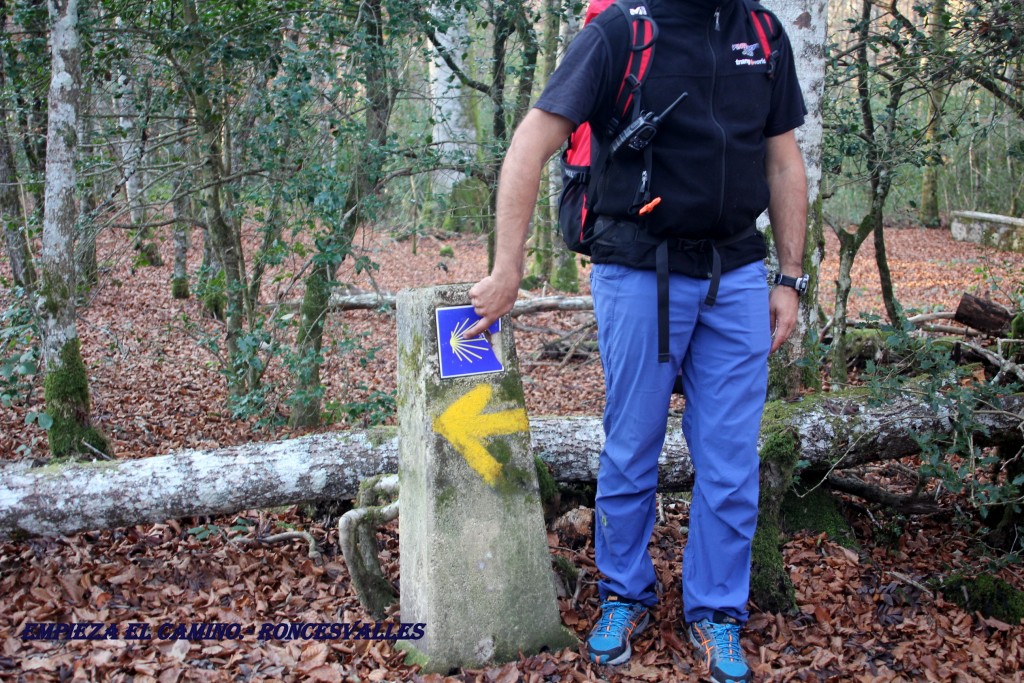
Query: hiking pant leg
[(638, 389), (725, 375)]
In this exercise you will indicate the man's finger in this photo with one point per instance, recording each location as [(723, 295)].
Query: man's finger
[(476, 328)]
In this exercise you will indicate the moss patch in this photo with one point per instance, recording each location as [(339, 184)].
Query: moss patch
[(66, 391), (770, 585), (818, 512), (179, 288), (991, 596)]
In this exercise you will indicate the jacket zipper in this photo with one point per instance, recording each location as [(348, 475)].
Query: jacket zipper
[(714, 118)]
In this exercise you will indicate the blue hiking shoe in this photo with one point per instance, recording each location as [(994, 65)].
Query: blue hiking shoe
[(718, 646), (620, 621)]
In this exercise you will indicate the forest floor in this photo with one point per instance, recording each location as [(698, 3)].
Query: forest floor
[(865, 614)]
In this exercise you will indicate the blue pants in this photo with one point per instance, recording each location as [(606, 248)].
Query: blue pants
[(723, 351)]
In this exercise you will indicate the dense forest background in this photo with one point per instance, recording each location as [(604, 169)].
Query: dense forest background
[(197, 195)]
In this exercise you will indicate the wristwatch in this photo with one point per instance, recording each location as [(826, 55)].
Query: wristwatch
[(797, 283)]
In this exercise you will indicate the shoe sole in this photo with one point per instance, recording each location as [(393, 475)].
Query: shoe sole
[(628, 652)]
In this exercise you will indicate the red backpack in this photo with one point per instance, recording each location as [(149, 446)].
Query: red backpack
[(576, 222)]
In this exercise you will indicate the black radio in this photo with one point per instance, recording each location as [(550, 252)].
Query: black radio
[(639, 134)]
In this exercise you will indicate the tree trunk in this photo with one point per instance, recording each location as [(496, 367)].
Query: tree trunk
[(929, 212), (545, 225), (66, 384), (85, 246), (892, 306), (225, 243), (181, 207), (983, 315), (307, 393), (829, 431), (849, 245), (11, 213), (454, 131), (18, 253), (131, 147), (805, 24)]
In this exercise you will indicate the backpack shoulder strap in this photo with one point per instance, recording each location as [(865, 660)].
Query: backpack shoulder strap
[(767, 27), (643, 32)]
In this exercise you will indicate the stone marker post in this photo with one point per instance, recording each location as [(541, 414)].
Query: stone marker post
[(475, 566)]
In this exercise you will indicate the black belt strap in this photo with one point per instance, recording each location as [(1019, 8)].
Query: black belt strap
[(661, 267)]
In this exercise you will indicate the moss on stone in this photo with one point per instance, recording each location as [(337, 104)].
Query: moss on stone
[(214, 302), (514, 480), (500, 450), (147, 254), (447, 496), (986, 594), (66, 391), (1017, 327), (510, 390)]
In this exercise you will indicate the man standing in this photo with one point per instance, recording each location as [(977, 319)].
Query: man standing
[(679, 285)]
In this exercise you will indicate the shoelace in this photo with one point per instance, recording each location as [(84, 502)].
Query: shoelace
[(615, 615), (725, 638)]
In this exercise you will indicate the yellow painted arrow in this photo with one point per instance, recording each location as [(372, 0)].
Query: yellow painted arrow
[(465, 425)]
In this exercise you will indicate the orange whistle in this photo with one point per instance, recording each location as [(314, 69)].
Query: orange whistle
[(649, 206)]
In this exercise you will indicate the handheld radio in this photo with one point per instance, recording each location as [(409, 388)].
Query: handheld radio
[(639, 134)]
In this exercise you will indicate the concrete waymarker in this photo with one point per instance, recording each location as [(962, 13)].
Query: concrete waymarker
[(475, 566)]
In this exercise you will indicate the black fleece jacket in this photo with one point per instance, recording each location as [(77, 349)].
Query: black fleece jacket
[(709, 153)]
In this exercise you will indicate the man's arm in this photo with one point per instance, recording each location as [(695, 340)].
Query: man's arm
[(538, 136), (787, 211)]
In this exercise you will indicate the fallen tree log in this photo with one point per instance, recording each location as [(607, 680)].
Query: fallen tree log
[(832, 432), (984, 315), (370, 301)]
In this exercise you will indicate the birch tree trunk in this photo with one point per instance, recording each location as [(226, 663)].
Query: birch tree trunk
[(66, 387), (805, 23), (87, 230), (132, 151), (454, 130)]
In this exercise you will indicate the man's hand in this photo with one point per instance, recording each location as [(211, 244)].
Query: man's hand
[(783, 307), (492, 298)]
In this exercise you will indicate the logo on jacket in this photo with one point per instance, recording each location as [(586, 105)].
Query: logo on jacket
[(747, 51)]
